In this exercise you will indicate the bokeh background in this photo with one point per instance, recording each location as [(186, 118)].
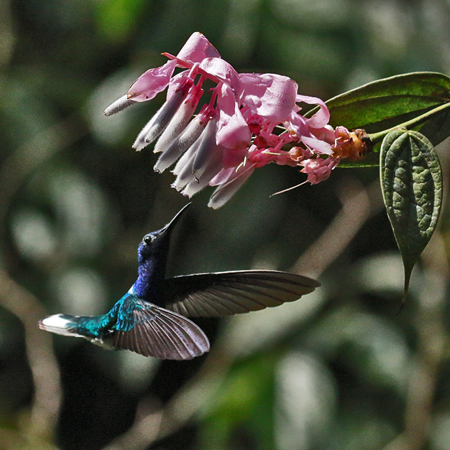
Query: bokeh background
[(339, 369)]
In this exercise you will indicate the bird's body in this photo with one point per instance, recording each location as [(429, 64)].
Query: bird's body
[(150, 318)]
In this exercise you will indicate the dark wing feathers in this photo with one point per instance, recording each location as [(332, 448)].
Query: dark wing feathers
[(227, 293), (162, 334)]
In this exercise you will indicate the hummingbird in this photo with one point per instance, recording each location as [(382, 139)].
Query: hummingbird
[(151, 318)]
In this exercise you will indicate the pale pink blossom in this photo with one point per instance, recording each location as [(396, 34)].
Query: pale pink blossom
[(269, 96), (200, 59), (318, 169), (244, 125)]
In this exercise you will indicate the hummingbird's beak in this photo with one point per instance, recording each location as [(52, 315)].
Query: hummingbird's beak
[(170, 226)]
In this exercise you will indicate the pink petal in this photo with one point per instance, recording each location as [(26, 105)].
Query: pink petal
[(297, 124), (220, 70), (319, 169), (269, 95), (206, 149), (193, 171), (196, 185), (319, 146), (197, 48), (234, 157), (177, 82), (157, 124), (321, 117), (232, 130), (326, 133), (225, 191), (223, 176), (202, 177), (178, 123), (285, 159), (152, 82), (183, 168), (181, 143), (316, 139)]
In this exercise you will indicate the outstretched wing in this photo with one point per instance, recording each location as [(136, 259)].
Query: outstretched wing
[(227, 293), (157, 332)]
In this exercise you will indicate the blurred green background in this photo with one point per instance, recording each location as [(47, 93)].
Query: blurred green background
[(339, 369)]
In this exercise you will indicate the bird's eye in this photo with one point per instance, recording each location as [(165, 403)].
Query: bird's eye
[(149, 239)]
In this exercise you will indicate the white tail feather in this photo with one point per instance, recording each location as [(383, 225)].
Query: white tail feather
[(59, 324)]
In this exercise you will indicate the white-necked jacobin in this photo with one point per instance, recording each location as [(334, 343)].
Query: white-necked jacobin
[(149, 318)]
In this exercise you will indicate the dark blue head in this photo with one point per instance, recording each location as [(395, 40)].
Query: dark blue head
[(155, 245)]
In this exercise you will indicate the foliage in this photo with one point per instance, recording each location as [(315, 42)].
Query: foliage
[(338, 369), (411, 178), (410, 171)]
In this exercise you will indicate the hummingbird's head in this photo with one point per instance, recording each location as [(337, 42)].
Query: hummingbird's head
[(157, 242)]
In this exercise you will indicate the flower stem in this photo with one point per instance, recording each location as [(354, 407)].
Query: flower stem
[(378, 137)]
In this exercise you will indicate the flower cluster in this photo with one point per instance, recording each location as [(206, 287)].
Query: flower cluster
[(243, 125)]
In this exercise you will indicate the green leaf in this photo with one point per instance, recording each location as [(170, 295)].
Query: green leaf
[(411, 183), (437, 128), (371, 160), (389, 102)]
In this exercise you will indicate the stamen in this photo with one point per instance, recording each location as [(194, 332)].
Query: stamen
[(242, 164), (288, 189)]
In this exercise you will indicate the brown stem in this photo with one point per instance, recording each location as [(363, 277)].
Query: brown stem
[(159, 423), (43, 364), (432, 341), (358, 205), (431, 350)]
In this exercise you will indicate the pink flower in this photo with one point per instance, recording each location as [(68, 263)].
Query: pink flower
[(268, 96), (318, 169), (199, 59), (244, 125)]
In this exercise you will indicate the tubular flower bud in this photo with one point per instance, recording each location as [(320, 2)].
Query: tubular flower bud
[(243, 125)]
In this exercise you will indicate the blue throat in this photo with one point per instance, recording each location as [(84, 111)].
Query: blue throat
[(150, 283)]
